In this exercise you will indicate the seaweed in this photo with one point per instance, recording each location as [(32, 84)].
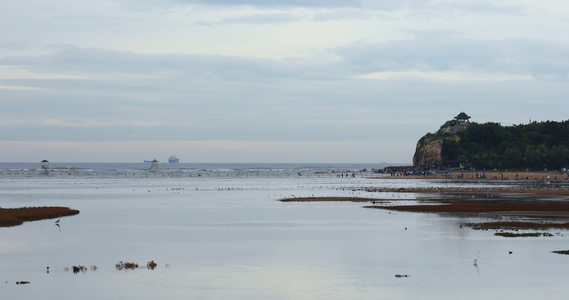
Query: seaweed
[(126, 265), (527, 234)]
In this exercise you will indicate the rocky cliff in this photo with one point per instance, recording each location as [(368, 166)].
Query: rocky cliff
[(429, 150)]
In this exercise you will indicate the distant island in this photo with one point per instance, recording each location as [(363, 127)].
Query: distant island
[(460, 144)]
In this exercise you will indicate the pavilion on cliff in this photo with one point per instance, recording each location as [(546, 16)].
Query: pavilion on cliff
[(462, 118)]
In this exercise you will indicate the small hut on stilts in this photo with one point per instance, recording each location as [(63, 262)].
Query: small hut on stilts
[(154, 165), (45, 167)]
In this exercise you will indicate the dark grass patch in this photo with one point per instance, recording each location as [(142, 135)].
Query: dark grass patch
[(323, 199), (151, 265), (472, 207), (564, 252), (17, 216), (526, 234), (516, 225)]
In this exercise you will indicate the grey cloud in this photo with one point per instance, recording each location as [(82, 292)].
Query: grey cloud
[(433, 6), (446, 52), (76, 60), (342, 14), (14, 45), (478, 6), (279, 3), (427, 51), (262, 19)]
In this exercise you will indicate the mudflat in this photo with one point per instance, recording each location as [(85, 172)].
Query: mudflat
[(464, 205)]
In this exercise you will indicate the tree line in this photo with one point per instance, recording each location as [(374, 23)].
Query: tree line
[(535, 146)]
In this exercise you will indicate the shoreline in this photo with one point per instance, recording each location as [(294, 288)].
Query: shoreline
[(490, 175)]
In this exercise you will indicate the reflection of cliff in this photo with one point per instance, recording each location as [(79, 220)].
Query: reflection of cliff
[(429, 150)]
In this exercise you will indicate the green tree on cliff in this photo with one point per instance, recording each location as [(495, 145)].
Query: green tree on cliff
[(490, 145)]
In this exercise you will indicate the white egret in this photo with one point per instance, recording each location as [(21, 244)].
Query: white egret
[(476, 259)]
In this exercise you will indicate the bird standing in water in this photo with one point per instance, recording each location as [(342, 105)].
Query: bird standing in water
[(57, 223), (476, 259)]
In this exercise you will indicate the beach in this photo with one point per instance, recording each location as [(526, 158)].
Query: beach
[(488, 175)]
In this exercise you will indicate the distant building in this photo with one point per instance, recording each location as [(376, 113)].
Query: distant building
[(462, 120), (45, 166), (154, 165)]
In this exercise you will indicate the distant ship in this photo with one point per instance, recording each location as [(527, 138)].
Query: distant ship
[(173, 160)]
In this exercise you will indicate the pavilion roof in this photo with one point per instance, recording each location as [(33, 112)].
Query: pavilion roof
[(462, 116)]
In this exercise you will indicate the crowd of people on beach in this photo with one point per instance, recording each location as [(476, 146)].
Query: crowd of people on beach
[(486, 175)]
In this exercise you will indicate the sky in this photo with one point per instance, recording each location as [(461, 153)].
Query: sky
[(326, 81)]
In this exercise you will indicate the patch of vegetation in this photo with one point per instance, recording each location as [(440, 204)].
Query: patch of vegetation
[(565, 252), (491, 145), (151, 265), (17, 216), (516, 225), (126, 266), (77, 269), (527, 234)]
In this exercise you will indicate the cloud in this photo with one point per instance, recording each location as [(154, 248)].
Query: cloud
[(441, 52), (14, 45), (89, 62), (7, 87), (370, 91), (277, 3), (433, 6), (262, 19), (346, 14), (426, 51), (448, 76), (479, 6)]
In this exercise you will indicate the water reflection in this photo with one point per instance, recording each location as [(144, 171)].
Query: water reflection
[(241, 243)]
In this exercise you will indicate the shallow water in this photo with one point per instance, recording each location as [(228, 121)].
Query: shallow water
[(229, 238)]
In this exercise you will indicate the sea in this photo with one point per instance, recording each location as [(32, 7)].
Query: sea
[(219, 231)]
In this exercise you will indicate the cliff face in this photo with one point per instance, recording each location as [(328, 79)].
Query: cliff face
[(429, 150)]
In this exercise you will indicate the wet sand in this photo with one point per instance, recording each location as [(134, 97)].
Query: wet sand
[(17, 216)]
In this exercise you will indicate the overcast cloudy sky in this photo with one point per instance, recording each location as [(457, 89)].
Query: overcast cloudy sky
[(270, 81)]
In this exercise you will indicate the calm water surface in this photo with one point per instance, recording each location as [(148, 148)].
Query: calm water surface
[(229, 238)]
